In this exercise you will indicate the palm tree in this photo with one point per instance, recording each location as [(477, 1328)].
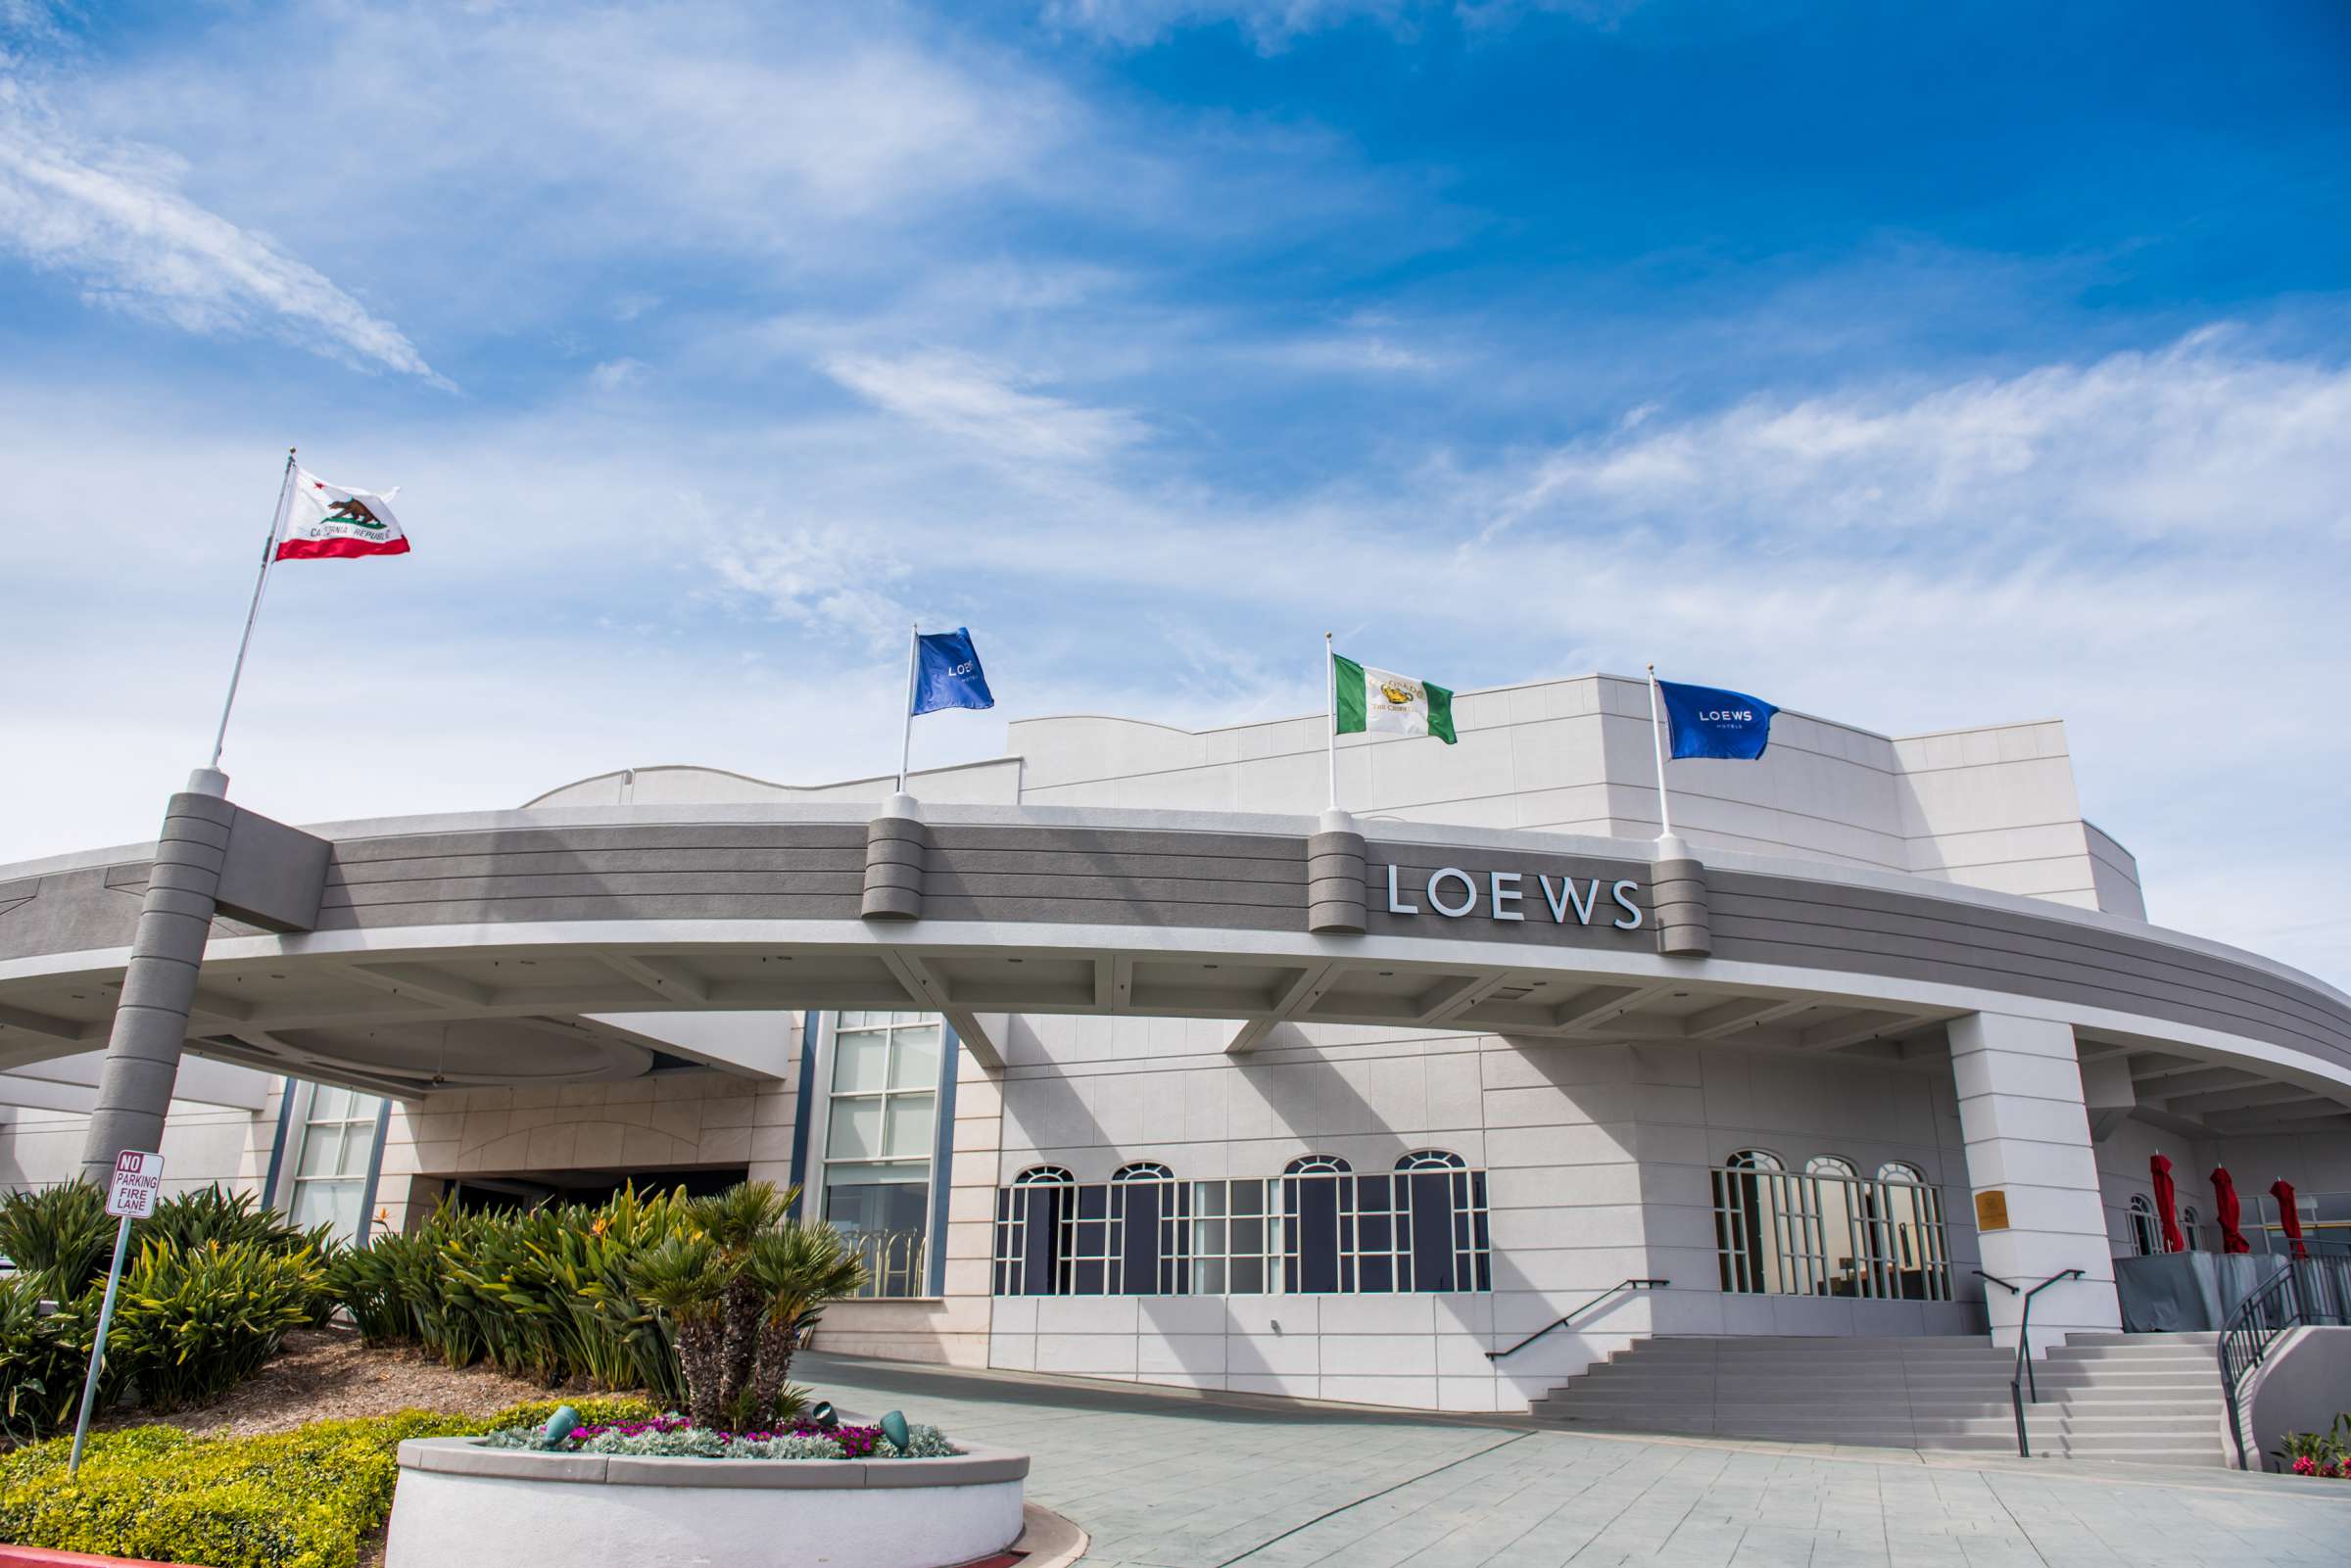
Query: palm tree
[(797, 1272), (739, 1286), (734, 1220), (685, 1279)]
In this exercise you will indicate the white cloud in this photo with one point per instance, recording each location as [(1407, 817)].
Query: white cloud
[(1269, 23), (111, 217), (824, 575), (984, 405), (1272, 24), (2201, 440), (613, 375)]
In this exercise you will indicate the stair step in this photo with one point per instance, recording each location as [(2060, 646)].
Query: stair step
[(2205, 1337), (2146, 1399)]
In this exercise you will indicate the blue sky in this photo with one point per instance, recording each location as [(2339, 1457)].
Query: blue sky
[(1914, 366)]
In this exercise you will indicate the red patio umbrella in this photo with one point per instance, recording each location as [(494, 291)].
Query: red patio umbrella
[(2283, 1191), (2167, 1204), (2227, 1211)]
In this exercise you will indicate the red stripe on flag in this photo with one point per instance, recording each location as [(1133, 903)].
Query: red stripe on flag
[(322, 549)]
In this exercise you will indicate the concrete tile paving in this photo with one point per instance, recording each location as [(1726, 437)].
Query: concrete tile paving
[(1169, 1479)]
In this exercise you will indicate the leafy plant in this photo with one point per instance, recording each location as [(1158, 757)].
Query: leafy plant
[(797, 1272), (41, 1360), (214, 1214), (2318, 1453), (738, 1291), (192, 1323), (59, 1238), (685, 1280)]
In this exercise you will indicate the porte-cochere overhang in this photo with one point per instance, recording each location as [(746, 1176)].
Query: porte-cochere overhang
[(513, 947)]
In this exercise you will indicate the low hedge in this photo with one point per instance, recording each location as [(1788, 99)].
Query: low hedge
[(294, 1499)]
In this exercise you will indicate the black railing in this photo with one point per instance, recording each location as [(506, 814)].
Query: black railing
[(2307, 1291), (2022, 1383), (1622, 1284)]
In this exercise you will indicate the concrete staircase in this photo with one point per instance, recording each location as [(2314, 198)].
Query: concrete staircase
[(2153, 1399)]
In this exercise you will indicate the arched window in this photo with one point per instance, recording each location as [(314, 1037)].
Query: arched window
[(1830, 1231), (1444, 1207), (1837, 1247), (2146, 1239), (1146, 1214), (1031, 1216), (1749, 1222), (2188, 1226), (1318, 1230), (1906, 1235)]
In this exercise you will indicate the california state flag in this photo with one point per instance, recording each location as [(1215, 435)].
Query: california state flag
[(325, 520)]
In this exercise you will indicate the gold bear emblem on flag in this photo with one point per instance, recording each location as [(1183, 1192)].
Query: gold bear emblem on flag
[(354, 511)]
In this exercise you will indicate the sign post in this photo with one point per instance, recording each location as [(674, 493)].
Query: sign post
[(137, 1176)]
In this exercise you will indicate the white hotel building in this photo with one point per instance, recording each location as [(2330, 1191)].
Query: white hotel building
[(1126, 1061)]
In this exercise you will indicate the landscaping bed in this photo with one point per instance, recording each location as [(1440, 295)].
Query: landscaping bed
[(332, 1374), (238, 1429)]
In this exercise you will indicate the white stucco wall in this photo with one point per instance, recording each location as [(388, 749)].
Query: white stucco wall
[(1598, 1159), (203, 1145), (1989, 807)]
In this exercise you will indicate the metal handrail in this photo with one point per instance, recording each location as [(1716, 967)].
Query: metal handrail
[(1622, 1284), (2023, 1378), (2285, 1301)]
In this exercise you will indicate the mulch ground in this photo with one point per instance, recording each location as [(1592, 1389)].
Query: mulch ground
[(327, 1375)]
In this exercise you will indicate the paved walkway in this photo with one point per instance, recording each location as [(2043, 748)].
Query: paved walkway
[(1178, 1481)]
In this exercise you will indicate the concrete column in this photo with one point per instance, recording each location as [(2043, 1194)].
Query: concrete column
[(159, 984), (2028, 1141), (1334, 877), (1678, 884), (896, 846)]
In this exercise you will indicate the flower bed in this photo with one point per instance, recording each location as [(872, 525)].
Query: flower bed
[(666, 1494), (673, 1437)]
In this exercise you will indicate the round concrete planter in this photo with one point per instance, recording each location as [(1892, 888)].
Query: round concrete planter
[(459, 1501)]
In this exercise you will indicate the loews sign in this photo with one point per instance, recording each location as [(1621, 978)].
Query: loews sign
[(1456, 893)]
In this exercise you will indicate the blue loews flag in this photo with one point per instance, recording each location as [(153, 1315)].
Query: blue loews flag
[(947, 673), (1710, 722)]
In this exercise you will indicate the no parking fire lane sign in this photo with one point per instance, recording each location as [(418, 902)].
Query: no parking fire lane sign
[(137, 1177)]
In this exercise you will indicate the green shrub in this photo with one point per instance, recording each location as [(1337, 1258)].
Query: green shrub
[(214, 1214), (192, 1323), (59, 1238), (297, 1499), (543, 1294), (2318, 1453), (41, 1362)]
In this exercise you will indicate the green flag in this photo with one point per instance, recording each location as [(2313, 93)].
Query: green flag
[(1382, 701)]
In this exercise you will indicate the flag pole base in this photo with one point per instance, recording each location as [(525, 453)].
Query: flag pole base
[(897, 845), (208, 782), (1334, 877)]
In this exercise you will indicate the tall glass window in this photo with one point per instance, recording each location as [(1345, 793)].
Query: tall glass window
[(1829, 1231), (881, 1120), (336, 1144)]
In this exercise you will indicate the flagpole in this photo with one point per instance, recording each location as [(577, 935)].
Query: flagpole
[(906, 734), (261, 584), (1330, 700), (1657, 739)]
